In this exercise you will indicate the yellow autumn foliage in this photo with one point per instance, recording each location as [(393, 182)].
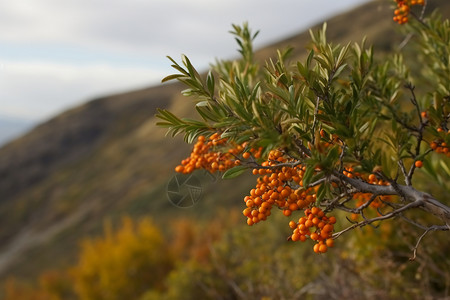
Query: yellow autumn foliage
[(122, 264)]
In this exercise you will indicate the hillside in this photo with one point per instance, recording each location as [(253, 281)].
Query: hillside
[(107, 158)]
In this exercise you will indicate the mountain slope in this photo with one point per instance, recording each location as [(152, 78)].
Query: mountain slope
[(106, 157)]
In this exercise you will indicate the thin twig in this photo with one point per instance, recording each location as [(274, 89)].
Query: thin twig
[(431, 228), (380, 218), (402, 167)]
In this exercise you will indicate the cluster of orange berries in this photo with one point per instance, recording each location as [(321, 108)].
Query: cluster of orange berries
[(273, 188), (363, 198), (204, 156), (316, 226), (401, 14), (440, 147)]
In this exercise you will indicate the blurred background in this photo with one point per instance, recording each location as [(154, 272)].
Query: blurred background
[(87, 179)]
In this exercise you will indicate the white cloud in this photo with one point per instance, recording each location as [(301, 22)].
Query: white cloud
[(33, 90)]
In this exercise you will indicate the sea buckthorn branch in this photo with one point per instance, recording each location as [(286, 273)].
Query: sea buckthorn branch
[(419, 19), (320, 136), (426, 201)]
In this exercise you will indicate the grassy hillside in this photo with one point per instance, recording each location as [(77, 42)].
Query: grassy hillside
[(107, 158)]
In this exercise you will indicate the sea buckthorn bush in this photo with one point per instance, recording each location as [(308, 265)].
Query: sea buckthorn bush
[(335, 141)]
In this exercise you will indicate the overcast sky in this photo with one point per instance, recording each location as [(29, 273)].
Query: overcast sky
[(55, 54)]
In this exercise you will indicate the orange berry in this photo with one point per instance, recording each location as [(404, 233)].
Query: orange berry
[(292, 224), (287, 212), (418, 164), (316, 248), (301, 203), (315, 210), (179, 169), (323, 248), (309, 198), (321, 214), (274, 196), (188, 169), (285, 193), (262, 216), (246, 155), (327, 228), (324, 235), (332, 220), (330, 242), (322, 133), (424, 114), (247, 212), (293, 206), (315, 221), (265, 205)]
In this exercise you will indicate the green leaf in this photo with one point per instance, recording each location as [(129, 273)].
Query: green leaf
[(321, 193), (172, 77), (339, 70), (308, 176), (444, 167), (234, 172), (210, 83)]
